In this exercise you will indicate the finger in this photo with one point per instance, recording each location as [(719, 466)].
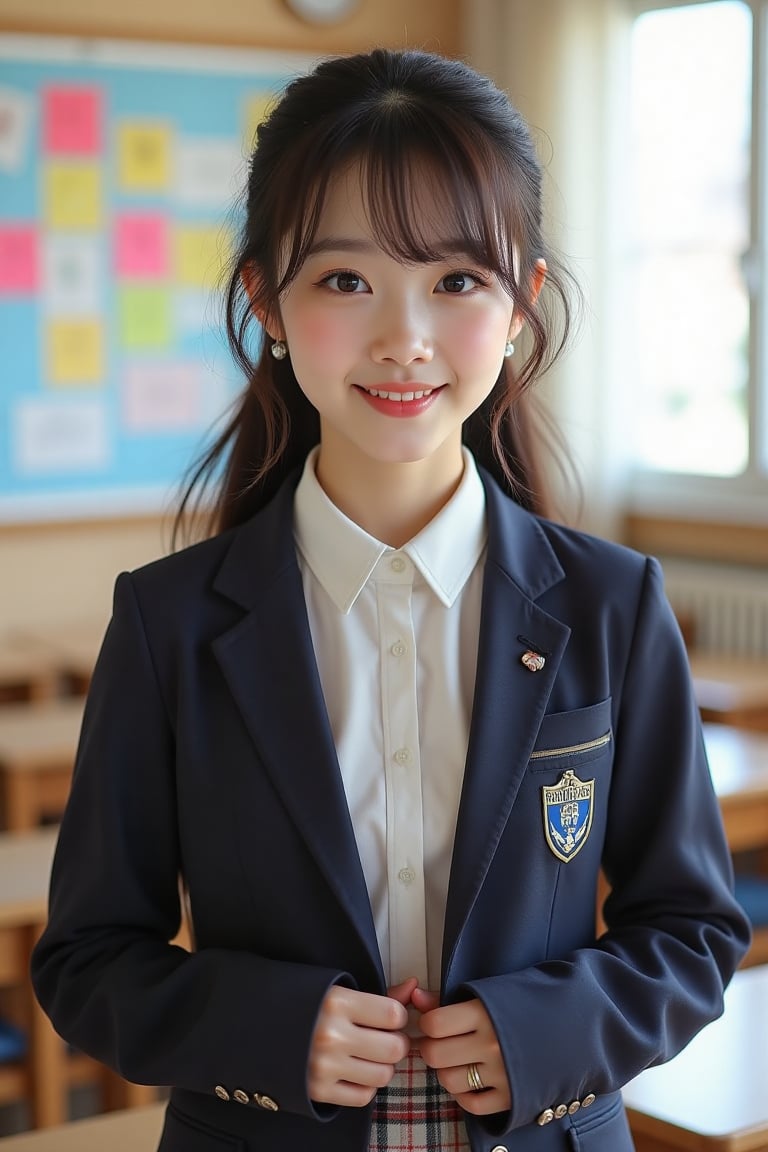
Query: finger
[(377, 1046), (342, 1093), (347, 1095), (365, 1009), (455, 1019), (485, 1103), (336, 1040), (330, 1066), (425, 1001), (358, 1073), (456, 1079), (403, 992)]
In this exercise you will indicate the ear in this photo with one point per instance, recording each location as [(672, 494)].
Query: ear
[(252, 283), (538, 276)]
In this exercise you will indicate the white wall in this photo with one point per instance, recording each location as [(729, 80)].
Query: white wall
[(559, 61)]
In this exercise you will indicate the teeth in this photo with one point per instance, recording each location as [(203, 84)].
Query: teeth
[(404, 396)]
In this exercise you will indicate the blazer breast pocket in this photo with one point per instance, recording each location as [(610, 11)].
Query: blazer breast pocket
[(570, 740)]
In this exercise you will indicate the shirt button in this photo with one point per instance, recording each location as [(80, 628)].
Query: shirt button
[(397, 564), (398, 648), (406, 876), (402, 756)]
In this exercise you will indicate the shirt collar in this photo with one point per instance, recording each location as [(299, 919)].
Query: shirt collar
[(342, 555)]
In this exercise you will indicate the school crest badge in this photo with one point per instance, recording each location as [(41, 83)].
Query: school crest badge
[(568, 807)]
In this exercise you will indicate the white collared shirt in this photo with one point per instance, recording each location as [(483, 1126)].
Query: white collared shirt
[(395, 634)]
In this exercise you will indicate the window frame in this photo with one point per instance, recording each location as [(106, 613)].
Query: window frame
[(744, 497)]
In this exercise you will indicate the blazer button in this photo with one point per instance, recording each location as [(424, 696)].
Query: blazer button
[(241, 1097), (560, 1111), (265, 1102), (545, 1117), (221, 1092), (500, 1148), (590, 1099)]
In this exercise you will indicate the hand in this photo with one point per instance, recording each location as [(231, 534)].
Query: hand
[(456, 1036), (358, 1039)]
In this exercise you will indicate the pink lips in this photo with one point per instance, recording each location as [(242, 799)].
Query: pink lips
[(419, 398)]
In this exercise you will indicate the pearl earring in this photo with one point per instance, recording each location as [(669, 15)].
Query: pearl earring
[(279, 350), (509, 349)]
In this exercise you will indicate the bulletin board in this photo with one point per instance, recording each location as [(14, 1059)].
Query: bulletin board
[(121, 171)]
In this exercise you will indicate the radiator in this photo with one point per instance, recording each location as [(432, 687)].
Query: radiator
[(726, 605)]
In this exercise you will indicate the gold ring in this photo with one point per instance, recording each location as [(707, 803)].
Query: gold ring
[(473, 1079)]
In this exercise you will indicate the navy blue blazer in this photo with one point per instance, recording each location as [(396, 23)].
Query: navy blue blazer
[(206, 754)]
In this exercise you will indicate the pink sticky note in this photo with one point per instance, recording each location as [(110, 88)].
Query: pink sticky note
[(18, 259), (72, 120), (160, 397), (141, 246)]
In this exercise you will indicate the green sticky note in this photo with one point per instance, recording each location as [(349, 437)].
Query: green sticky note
[(145, 317)]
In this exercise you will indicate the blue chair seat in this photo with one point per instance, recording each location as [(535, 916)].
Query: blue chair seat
[(13, 1042), (752, 894)]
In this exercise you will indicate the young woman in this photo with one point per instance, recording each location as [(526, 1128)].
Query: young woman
[(388, 723)]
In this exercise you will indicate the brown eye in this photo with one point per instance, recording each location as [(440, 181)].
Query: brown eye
[(345, 281), (455, 282)]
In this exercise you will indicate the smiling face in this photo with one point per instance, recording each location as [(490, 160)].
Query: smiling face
[(394, 356)]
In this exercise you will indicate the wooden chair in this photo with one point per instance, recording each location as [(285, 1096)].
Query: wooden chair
[(752, 894)]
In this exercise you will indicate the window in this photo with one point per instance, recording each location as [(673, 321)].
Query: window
[(696, 256)]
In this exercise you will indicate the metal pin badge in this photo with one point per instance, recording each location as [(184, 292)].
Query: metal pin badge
[(534, 661)]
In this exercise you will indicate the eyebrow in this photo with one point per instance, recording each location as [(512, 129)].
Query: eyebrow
[(341, 244), (446, 247)]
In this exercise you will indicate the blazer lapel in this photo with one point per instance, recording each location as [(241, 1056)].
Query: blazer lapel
[(269, 664), (509, 700)]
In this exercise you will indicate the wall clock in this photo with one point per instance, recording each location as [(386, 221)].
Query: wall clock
[(322, 11)]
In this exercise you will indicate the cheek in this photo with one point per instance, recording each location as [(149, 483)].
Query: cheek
[(322, 334), (479, 339)]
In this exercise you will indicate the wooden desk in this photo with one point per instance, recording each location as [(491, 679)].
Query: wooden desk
[(731, 690), (73, 647), (37, 753), (738, 761), (135, 1130), (27, 672), (25, 866), (713, 1097)]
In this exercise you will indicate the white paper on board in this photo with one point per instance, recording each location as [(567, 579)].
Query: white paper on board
[(15, 121), (209, 171), (161, 397), (72, 276), (58, 436)]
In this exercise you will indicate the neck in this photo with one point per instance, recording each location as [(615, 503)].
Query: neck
[(390, 501)]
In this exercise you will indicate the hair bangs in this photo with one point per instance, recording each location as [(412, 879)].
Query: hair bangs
[(431, 191)]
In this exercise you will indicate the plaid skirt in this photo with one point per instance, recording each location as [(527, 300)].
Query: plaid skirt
[(414, 1113)]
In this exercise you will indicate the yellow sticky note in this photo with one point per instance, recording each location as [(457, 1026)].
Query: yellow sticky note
[(144, 315), (73, 196), (144, 157), (256, 109), (75, 352), (201, 255)]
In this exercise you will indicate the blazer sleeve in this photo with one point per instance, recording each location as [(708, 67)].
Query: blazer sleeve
[(592, 1020), (104, 969)]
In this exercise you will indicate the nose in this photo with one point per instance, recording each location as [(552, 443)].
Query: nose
[(402, 337)]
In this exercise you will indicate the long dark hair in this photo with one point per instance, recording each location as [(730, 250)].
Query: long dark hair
[(398, 115)]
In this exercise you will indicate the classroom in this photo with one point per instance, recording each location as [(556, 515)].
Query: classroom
[(125, 133)]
